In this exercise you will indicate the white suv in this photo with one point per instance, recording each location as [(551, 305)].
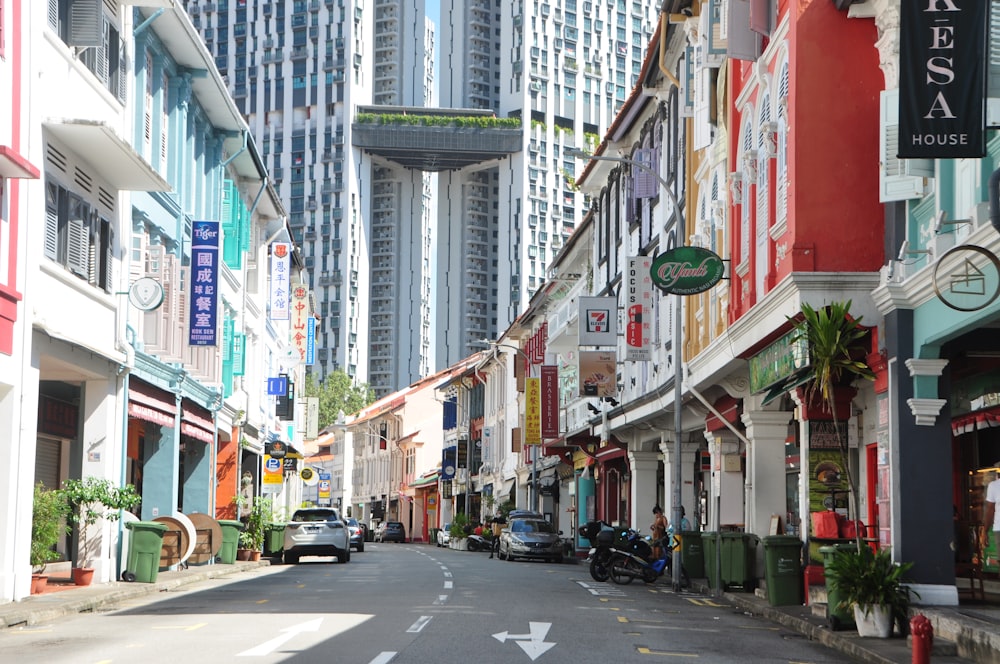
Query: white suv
[(316, 531)]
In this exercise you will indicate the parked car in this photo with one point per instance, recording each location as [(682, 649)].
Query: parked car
[(357, 534), (524, 514), (316, 531), (530, 537), (390, 531), (444, 535)]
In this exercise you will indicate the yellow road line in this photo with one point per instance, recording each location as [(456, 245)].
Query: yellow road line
[(263, 601), (663, 653), (186, 628), (705, 602)]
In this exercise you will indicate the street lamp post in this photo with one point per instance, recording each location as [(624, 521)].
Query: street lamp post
[(533, 486), (678, 341)]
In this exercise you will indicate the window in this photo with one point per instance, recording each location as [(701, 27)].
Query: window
[(94, 24), (78, 236)]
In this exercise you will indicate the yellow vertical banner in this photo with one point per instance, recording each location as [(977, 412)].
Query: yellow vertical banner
[(533, 414)]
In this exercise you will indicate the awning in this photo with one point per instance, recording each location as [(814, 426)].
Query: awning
[(106, 152), (13, 165), (788, 383), (982, 419), (151, 404), (196, 422), (425, 480)]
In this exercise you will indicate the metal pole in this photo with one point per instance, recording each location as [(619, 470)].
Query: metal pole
[(677, 343)]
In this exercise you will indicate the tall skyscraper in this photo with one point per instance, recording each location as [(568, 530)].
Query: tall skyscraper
[(410, 269), (565, 68)]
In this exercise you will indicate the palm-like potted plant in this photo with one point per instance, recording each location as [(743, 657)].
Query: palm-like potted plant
[(48, 524), (87, 501), (257, 521), (458, 532), (873, 586)]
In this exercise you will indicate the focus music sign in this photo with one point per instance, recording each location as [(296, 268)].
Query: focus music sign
[(941, 79)]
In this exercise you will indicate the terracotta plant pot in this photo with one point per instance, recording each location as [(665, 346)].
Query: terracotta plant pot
[(38, 583), (243, 554), (255, 556), (82, 576)]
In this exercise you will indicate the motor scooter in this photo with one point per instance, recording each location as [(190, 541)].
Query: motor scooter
[(479, 543), (601, 536), (627, 565)]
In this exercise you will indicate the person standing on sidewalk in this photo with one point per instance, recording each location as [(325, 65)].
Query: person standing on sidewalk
[(497, 524), (991, 519)]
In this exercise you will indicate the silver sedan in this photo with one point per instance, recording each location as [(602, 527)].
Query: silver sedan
[(531, 538)]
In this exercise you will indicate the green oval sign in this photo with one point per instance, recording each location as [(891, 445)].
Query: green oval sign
[(687, 270)]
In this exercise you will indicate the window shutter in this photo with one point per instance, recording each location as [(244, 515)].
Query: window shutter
[(54, 15), (51, 221), (86, 23), (703, 103), (164, 122), (762, 16), (228, 326), (687, 83), (239, 354), (742, 43), (715, 54), (78, 238), (102, 51), (993, 68), (899, 179), (122, 72), (108, 255)]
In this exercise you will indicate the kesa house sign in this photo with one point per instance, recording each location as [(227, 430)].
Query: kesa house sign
[(941, 79)]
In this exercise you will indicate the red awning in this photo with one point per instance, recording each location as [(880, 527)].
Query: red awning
[(982, 419), (196, 422), (151, 404)]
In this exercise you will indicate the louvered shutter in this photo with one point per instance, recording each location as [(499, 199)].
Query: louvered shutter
[(48, 459), (54, 15), (147, 110), (239, 354), (86, 23), (102, 51), (230, 225), (993, 68), (899, 179), (687, 83), (78, 238), (716, 43), (781, 149), (108, 251), (742, 42), (164, 122), (51, 221)]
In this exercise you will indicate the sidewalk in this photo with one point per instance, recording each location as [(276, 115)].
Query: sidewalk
[(963, 634)]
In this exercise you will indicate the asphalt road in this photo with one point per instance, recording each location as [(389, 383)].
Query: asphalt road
[(414, 604)]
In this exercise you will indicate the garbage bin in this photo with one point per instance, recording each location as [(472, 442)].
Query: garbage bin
[(783, 569), (711, 552), (837, 617), (145, 543), (692, 554), (230, 540), (738, 561), (274, 539)]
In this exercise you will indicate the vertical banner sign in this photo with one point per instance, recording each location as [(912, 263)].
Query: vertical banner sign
[(941, 79), (204, 282), (281, 280), (598, 371), (598, 321), (311, 341), (639, 310), (273, 475), (533, 415), (324, 486), (550, 401), (300, 319)]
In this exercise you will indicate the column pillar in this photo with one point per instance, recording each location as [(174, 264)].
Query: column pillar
[(765, 479), (643, 492), (687, 476), (726, 492)]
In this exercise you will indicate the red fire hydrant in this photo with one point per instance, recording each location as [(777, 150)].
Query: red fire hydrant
[(922, 636)]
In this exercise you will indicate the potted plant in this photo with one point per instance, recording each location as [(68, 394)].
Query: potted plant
[(457, 532), (48, 514), (257, 521), (873, 586), (87, 500)]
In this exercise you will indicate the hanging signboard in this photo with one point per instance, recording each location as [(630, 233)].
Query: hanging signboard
[(941, 80), (598, 373), (533, 414), (598, 321), (281, 280), (550, 401), (300, 316), (204, 283), (639, 310), (687, 270)]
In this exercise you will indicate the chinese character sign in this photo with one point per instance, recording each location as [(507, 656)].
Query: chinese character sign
[(550, 401), (639, 310), (281, 280), (300, 319), (533, 413), (202, 330)]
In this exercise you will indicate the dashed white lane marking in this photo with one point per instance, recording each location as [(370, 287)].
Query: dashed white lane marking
[(448, 585), (446, 572), (420, 624), (384, 657), (441, 599)]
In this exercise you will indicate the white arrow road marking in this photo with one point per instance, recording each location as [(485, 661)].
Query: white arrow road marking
[(533, 644), (342, 623), (420, 624)]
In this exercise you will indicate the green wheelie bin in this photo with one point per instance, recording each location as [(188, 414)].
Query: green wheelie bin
[(230, 540), (144, 546), (711, 552), (738, 558), (274, 541), (693, 554), (837, 617), (783, 569)]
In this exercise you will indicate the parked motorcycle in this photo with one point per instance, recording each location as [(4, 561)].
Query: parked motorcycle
[(601, 536), (479, 543), (627, 565)]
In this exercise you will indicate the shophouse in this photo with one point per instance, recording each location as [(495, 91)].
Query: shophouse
[(157, 216), (16, 170)]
